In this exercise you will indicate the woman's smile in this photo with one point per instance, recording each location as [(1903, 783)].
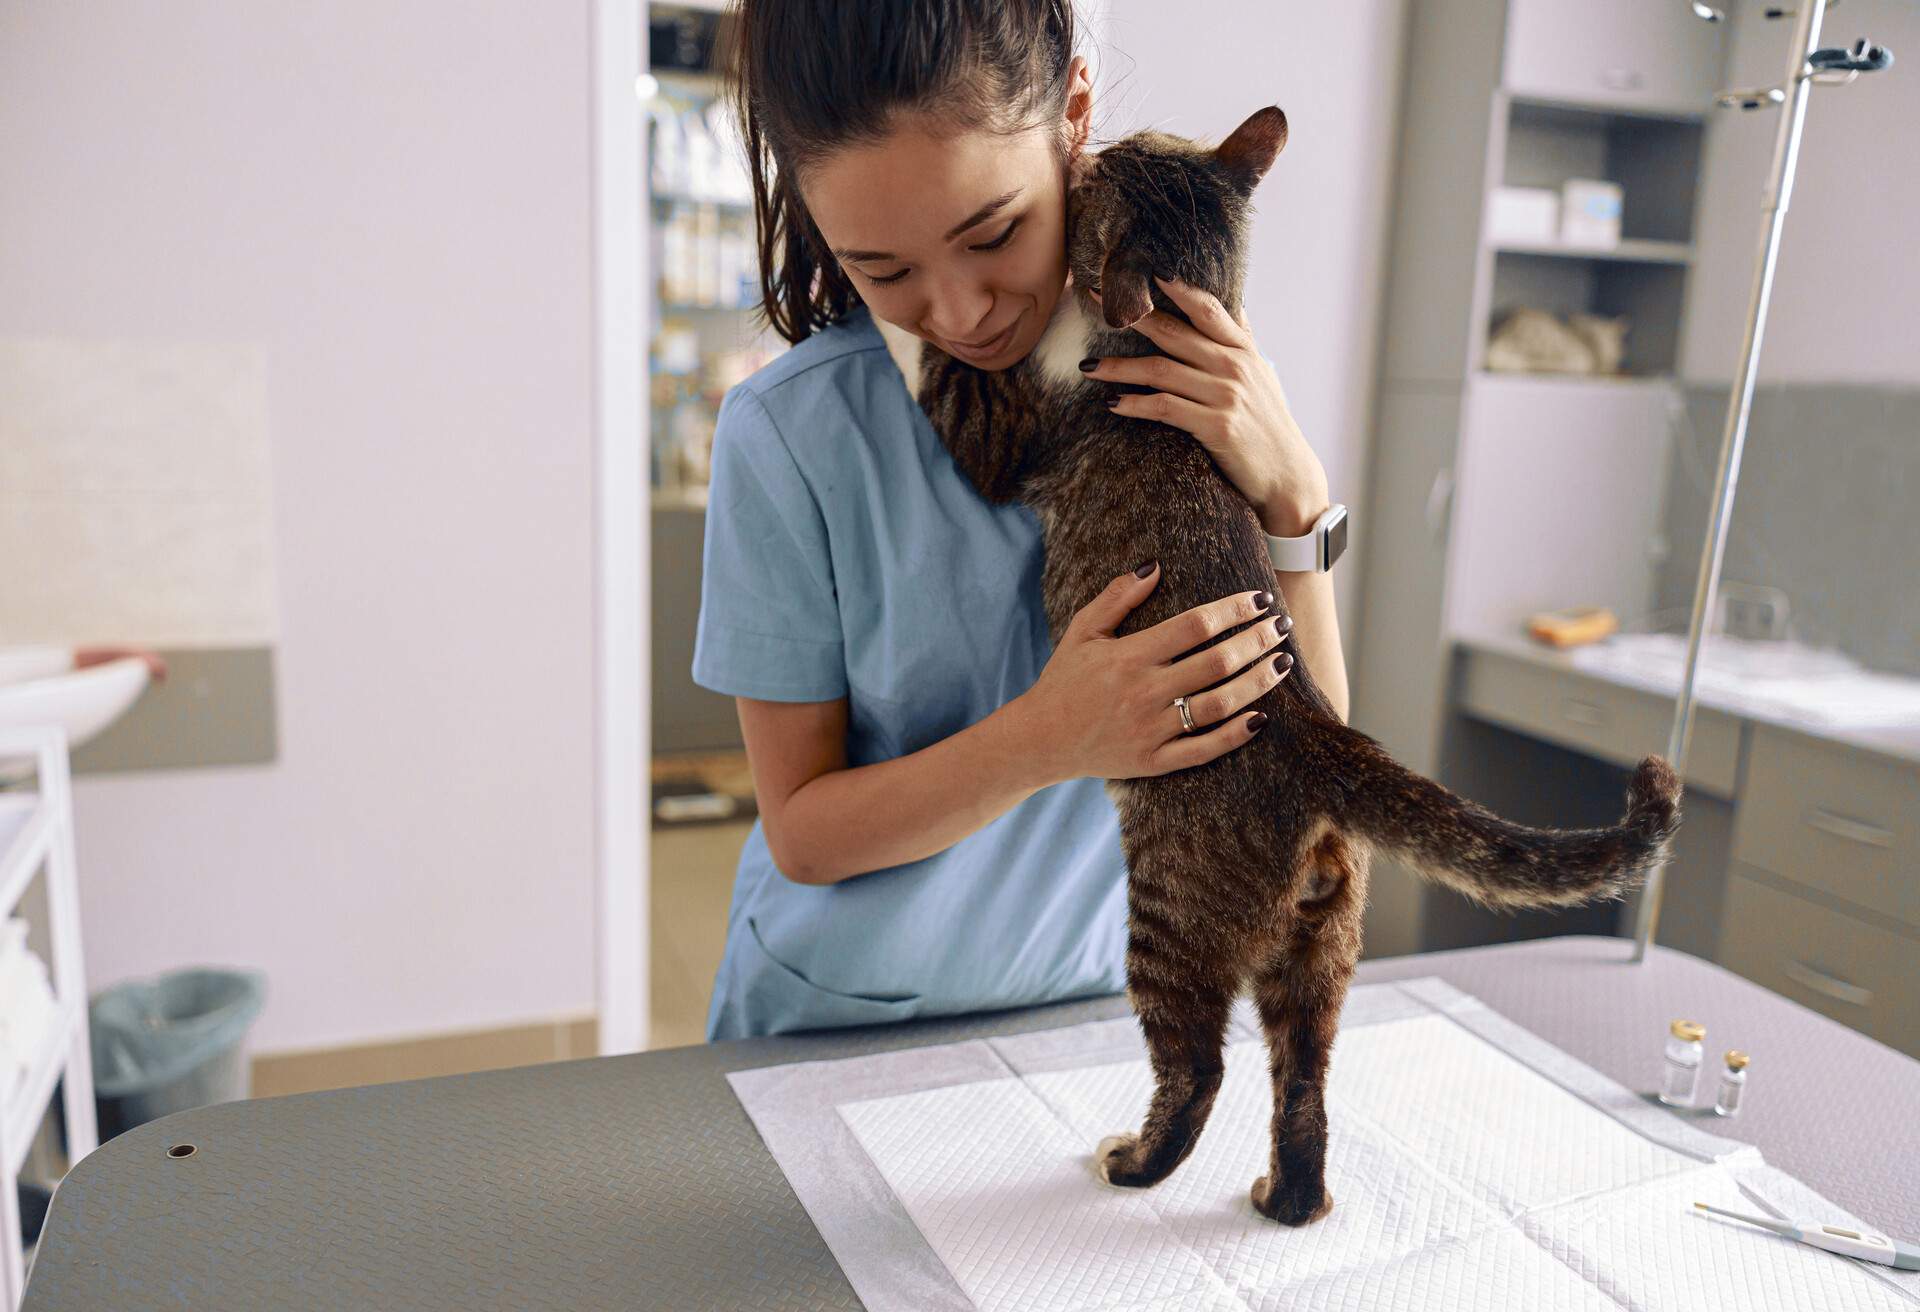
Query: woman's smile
[(992, 348)]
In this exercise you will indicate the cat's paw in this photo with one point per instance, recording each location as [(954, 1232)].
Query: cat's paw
[(1288, 1208), (1115, 1158)]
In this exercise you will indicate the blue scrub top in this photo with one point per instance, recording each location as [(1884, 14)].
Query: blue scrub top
[(847, 556)]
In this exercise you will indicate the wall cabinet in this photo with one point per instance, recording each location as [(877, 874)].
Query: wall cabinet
[(1650, 54)]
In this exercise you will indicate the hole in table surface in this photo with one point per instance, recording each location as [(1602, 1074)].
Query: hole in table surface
[(180, 1150)]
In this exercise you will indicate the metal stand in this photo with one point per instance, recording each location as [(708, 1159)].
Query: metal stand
[(1805, 65)]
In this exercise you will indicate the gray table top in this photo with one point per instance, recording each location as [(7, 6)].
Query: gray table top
[(639, 1182)]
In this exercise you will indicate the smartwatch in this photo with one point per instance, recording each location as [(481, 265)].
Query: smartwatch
[(1315, 550)]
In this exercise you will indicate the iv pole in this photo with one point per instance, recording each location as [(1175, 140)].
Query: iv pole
[(1805, 66)]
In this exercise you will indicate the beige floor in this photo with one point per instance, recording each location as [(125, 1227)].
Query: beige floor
[(693, 867)]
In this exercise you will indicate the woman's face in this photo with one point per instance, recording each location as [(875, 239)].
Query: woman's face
[(957, 237)]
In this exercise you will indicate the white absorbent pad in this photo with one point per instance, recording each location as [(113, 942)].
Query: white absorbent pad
[(1472, 1165)]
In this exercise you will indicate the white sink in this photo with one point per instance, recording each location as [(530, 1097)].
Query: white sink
[(82, 702)]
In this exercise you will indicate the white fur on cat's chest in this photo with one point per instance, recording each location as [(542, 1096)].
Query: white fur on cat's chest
[(1056, 356)]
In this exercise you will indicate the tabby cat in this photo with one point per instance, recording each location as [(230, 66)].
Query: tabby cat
[(1248, 873)]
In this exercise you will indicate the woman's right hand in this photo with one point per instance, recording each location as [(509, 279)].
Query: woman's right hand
[(1103, 706)]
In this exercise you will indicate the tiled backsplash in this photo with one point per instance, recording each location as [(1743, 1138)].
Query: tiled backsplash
[(1824, 510), (135, 498)]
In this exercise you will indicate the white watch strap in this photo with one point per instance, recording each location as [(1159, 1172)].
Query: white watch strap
[(1310, 552), (1295, 555)]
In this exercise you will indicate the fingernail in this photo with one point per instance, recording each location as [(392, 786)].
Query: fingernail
[(1283, 664), (1263, 601), (1255, 721), (1141, 571), (1113, 401), (1286, 625), (1089, 364)]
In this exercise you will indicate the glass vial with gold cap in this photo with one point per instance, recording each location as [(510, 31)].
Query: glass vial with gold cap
[(1733, 1084), (1684, 1055)]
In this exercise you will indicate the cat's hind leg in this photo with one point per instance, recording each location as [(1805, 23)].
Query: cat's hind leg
[(1299, 992), (1185, 1024)]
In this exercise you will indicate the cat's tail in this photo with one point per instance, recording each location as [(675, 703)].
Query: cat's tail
[(1467, 848)]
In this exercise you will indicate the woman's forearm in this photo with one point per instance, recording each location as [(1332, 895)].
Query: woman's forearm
[(1316, 632), (851, 821)]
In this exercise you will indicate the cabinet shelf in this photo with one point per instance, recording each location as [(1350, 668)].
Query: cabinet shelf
[(1631, 251), (1496, 377), (1600, 107)]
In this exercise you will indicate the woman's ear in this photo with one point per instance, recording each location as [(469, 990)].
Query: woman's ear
[(1079, 113)]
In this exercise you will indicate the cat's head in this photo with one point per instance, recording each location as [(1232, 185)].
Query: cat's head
[(1153, 203)]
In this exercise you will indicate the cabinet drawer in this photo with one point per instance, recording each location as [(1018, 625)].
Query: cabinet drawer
[(1834, 817), (1596, 717), (1859, 974), (1650, 54)]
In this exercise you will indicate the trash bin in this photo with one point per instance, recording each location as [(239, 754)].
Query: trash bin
[(176, 1041)]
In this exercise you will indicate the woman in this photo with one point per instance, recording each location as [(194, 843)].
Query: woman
[(934, 835)]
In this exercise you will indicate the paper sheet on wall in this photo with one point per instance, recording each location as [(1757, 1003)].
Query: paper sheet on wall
[(1472, 1165)]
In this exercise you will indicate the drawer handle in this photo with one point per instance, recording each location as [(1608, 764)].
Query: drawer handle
[(1826, 985), (1854, 831), (1584, 712)]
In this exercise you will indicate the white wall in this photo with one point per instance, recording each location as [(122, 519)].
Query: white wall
[(393, 201), (1321, 216), (1845, 296)]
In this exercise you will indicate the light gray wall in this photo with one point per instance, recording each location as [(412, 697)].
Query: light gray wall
[(1846, 300), (1824, 511), (392, 201)]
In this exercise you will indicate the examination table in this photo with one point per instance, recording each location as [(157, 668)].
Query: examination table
[(639, 1182)]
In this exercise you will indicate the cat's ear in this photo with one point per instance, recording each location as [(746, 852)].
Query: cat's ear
[(1249, 152), (1124, 298)]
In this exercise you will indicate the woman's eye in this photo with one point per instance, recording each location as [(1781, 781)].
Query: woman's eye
[(993, 245), (999, 241)]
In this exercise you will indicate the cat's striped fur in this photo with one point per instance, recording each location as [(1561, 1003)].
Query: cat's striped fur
[(1249, 872)]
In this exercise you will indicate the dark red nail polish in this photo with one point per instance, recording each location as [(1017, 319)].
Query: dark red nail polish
[(1142, 570), (1286, 625), (1254, 721), (1264, 601), (1089, 364), (1283, 664)]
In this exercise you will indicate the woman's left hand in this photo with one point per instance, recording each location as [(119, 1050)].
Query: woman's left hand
[(1214, 383)]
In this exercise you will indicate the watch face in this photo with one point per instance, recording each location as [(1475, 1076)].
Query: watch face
[(1336, 539)]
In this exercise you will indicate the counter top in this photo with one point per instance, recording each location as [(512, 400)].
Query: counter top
[(1896, 742)]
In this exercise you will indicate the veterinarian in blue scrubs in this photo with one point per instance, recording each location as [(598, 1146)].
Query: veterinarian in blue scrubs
[(927, 763)]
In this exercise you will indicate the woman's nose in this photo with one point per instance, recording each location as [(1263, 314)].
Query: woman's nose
[(960, 312)]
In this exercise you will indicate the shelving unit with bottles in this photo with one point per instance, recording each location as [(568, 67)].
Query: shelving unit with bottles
[(1492, 494), (702, 337)]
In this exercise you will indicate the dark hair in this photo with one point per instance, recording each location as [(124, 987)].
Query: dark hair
[(809, 77)]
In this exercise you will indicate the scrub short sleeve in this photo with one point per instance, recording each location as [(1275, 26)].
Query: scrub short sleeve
[(769, 623)]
